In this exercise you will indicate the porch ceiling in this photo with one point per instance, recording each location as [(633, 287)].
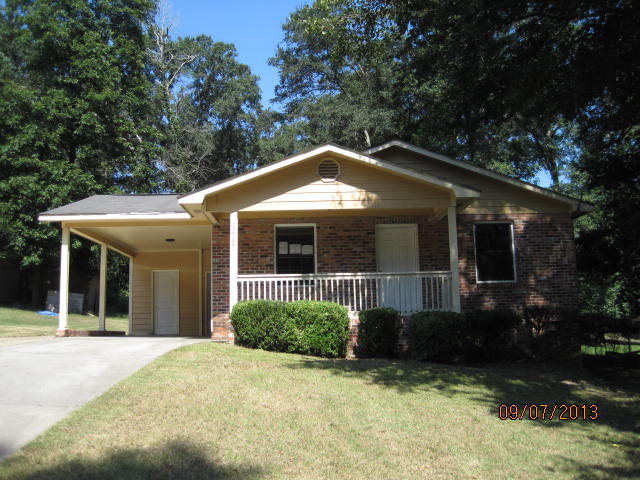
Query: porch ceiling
[(141, 238)]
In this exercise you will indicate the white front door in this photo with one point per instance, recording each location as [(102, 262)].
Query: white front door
[(397, 252), (166, 302)]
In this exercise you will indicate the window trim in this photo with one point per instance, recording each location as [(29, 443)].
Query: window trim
[(513, 251), (275, 244)]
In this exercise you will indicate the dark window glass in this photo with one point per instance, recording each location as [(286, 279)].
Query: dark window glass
[(494, 253), (295, 249)]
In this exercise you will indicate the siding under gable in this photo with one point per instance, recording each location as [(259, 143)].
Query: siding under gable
[(496, 196), (299, 188)]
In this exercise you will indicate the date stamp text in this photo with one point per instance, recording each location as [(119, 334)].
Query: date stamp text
[(544, 411)]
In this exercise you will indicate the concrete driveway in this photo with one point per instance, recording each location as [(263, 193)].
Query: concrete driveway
[(42, 381)]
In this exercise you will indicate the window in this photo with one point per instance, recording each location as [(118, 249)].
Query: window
[(295, 249), (494, 252)]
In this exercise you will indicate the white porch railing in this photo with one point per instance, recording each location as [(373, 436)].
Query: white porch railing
[(407, 292)]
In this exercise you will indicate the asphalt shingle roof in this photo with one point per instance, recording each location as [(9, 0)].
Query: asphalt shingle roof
[(110, 204)]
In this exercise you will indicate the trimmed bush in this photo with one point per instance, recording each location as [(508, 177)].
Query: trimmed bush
[(553, 332), (322, 328), (306, 327), (491, 333), (438, 336), (378, 332)]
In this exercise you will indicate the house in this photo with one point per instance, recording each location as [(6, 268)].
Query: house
[(396, 225)]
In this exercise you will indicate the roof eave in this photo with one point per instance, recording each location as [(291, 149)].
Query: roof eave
[(578, 205), (197, 198), (113, 216)]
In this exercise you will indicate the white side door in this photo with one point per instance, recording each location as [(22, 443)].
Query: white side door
[(397, 252), (166, 302)]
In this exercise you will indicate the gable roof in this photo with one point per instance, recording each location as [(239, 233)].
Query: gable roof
[(119, 206), (198, 196), (578, 205)]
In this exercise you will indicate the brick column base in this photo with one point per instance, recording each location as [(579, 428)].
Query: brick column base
[(221, 329)]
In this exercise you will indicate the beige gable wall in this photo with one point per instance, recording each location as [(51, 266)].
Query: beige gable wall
[(495, 196), (299, 188), (142, 300)]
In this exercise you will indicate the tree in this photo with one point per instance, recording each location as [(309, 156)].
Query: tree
[(341, 77), (207, 108), (353, 72), (566, 67), (74, 106)]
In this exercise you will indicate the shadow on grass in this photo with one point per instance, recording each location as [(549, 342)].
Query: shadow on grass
[(175, 460), (495, 384)]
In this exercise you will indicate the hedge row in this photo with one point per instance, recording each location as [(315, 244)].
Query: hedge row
[(539, 332), (307, 327)]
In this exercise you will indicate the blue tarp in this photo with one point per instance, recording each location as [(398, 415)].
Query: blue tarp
[(47, 312)]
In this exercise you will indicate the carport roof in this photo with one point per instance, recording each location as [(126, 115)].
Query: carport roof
[(120, 204)]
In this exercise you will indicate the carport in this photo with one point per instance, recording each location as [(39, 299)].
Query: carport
[(167, 251)]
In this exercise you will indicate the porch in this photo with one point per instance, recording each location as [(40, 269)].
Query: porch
[(407, 292), (404, 260)]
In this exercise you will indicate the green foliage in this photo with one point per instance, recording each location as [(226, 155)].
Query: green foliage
[(378, 332), (306, 327), (551, 332), (74, 105), (341, 78), (438, 336), (207, 108), (491, 333), (565, 74)]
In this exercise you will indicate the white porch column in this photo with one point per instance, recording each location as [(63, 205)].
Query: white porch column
[(63, 290), (102, 303), (453, 259), (130, 295), (233, 259)]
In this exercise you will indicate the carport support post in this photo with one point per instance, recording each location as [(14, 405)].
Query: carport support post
[(233, 260), (453, 259), (63, 290), (102, 302)]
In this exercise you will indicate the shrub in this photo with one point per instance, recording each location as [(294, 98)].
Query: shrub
[(438, 336), (322, 328), (307, 327), (378, 332), (554, 332), (491, 333)]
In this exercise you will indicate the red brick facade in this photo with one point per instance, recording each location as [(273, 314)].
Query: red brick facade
[(545, 257), (545, 264)]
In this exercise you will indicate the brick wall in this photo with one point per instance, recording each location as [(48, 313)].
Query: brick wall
[(344, 244), (545, 264), (545, 256)]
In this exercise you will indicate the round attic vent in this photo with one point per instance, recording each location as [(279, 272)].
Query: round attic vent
[(328, 170)]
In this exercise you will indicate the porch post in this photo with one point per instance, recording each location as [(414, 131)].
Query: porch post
[(453, 259), (103, 288), (63, 290), (233, 259), (130, 295)]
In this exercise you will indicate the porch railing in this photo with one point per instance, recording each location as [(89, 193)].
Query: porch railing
[(407, 292)]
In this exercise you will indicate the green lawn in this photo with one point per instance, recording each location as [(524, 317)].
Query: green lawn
[(218, 411), (615, 345), (16, 322)]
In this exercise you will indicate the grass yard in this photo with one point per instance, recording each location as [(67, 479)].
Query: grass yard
[(15, 322), (218, 411)]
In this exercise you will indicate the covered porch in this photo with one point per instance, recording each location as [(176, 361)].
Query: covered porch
[(404, 260)]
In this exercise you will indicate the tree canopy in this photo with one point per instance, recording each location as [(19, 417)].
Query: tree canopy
[(100, 97)]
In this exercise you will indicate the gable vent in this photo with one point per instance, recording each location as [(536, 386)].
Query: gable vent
[(328, 170)]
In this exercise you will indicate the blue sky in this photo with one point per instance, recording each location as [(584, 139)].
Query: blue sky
[(253, 26)]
